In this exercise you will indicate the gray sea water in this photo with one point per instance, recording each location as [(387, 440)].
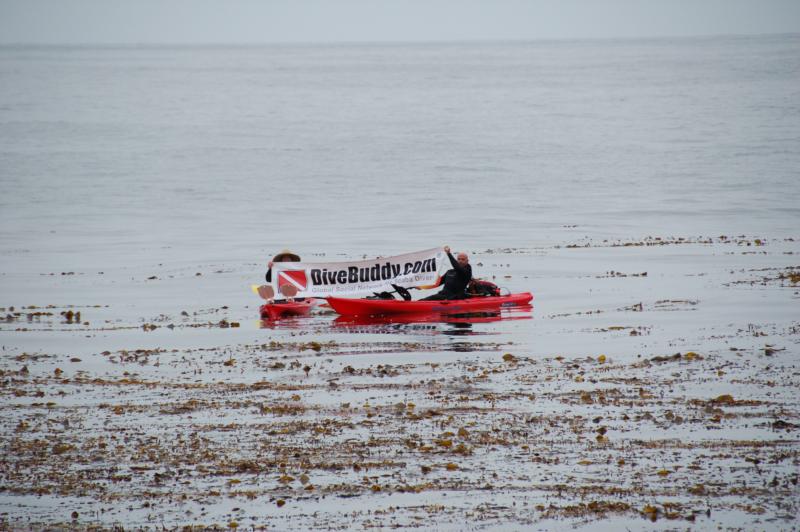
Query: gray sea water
[(152, 154), (646, 191)]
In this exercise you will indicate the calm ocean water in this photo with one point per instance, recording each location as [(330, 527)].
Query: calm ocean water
[(146, 187), (142, 155)]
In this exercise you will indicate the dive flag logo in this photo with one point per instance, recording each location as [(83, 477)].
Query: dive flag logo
[(296, 278)]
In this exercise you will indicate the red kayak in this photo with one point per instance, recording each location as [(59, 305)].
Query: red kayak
[(285, 309), (381, 307)]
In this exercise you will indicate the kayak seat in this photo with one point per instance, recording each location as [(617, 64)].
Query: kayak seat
[(481, 288), (380, 295)]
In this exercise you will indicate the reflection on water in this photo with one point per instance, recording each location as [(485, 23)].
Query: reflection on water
[(459, 329), (458, 324), (301, 323), (382, 327)]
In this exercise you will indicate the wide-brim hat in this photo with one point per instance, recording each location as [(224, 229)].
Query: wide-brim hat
[(284, 254)]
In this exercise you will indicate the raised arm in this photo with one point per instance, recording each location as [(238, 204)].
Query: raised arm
[(462, 270), (453, 262), (268, 277)]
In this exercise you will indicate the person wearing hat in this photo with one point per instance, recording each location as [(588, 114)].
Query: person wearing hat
[(283, 256)]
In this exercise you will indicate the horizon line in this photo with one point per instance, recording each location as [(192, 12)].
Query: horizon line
[(247, 44)]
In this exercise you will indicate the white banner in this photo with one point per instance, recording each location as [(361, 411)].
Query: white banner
[(321, 279)]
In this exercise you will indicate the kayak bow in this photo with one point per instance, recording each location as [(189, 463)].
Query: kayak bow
[(276, 311)]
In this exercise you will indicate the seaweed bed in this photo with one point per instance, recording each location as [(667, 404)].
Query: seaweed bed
[(630, 403)]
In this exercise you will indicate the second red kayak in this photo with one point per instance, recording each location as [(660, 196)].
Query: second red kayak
[(285, 309), (382, 307)]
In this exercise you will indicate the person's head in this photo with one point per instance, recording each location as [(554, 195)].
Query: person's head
[(462, 258), (286, 256)]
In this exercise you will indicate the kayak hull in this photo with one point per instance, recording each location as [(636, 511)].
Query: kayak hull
[(285, 309), (384, 307), (456, 318)]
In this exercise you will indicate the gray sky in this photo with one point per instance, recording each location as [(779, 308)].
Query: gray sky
[(269, 21)]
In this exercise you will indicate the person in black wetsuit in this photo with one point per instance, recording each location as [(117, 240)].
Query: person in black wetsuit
[(455, 281), (283, 256)]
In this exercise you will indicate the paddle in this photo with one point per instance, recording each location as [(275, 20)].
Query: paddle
[(430, 286), (267, 292), (264, 290), (405, 294), (288, 291)]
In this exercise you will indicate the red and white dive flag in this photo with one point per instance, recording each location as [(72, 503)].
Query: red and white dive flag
[(296, 278), (321, 279)]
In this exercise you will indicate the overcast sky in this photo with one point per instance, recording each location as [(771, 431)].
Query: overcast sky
[(275, 21)]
